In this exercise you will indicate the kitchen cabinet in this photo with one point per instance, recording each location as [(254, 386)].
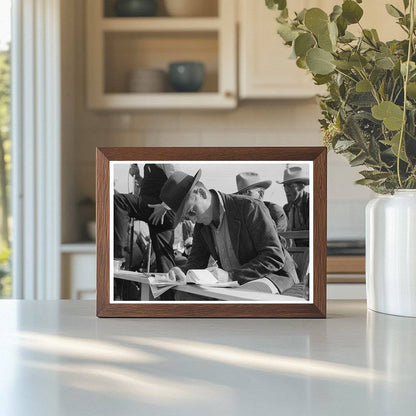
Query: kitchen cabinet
[(265, 70), (118, 45)]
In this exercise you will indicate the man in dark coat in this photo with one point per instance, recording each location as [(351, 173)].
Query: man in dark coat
[(294, 183), (147, 207), (250, 184), (237, 231)]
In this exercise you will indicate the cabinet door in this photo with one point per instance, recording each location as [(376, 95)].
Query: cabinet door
[(265, 68)]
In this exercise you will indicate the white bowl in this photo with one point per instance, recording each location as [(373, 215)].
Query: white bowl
[(191, 8), (146, 80)]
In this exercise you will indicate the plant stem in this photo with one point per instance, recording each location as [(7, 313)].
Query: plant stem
[(345, 75), (406, 79)]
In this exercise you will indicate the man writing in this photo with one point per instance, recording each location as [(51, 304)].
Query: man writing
[(235, 230)]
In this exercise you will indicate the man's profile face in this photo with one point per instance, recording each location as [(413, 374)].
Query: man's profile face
[(197, 210), (256, 193), (293, 190)]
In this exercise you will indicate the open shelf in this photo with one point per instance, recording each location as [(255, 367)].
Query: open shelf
[(116, 46), (160, 24), (211, 9), (127, 51)]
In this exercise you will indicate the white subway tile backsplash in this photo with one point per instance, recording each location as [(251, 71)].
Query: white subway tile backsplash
[(271, 123)]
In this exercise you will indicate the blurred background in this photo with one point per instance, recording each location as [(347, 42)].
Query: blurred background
[(101, 73)]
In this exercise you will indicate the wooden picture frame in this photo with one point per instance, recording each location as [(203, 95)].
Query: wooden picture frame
[(314, 308)]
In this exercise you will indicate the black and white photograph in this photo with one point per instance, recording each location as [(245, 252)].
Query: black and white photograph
[(208, 231)]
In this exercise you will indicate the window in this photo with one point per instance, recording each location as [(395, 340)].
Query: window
[(5, 147)]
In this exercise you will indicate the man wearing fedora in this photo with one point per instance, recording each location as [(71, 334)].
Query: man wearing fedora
[(250, 184), (235, 230), (294, 182)]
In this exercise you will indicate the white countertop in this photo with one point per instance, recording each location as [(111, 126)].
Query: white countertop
[(57, 358)]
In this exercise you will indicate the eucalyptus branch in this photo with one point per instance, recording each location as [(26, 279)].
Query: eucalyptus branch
[(345, 75), (373, 89), (406, 79)]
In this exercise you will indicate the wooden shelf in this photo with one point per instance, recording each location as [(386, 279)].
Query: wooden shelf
[(159, 24), (346, 264), (80, 247), (163, 101)]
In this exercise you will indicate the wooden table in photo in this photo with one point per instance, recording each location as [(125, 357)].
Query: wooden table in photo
[(216, 293)]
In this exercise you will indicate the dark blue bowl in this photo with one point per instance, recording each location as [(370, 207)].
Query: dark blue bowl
[(186, 76), (135, 8)]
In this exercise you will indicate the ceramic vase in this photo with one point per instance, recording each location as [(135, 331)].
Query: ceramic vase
[(391, 253)]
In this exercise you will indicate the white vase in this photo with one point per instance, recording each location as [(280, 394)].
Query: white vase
[(391, 253)]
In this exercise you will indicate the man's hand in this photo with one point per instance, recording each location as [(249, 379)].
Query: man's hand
[(176, 274), (220, 274), (158, 213)]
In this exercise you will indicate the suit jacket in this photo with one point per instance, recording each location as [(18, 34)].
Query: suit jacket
[(278, 216), (255, 243), (303, 205)]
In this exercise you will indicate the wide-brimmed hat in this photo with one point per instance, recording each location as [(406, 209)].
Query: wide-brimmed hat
[(295, 174), (250, 180), (176, 190)]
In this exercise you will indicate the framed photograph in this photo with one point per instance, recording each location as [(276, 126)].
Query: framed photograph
[(211, 232)]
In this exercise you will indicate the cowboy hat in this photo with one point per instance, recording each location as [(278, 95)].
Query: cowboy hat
[(250, 180), (176, 190), (295, 174)]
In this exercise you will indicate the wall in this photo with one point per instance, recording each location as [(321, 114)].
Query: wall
[(256, 123)]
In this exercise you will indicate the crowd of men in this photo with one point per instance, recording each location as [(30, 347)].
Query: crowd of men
[(240, 231)]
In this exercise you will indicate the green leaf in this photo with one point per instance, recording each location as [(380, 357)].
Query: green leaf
[(300, 17), (368, 36), (343, 65), (286, 32), (406, 4), (336, 12), (347, 37), (358, 61), (374, 175), (301, 63), (276, 4), (358, 160), (375, 35), (393, 11), (363, 86), (411, 90), (325, 43), (316, 20), (284, 14), (385, 63), (343, 145), (394, 143), (303, 43), (364, 181), (342, 25), (321, 79), (374, 150), (390, 113), (351, 11), (319, 61), (412, 67)]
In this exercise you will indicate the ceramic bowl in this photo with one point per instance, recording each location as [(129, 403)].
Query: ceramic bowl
[(135, 8), (186, 76)]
